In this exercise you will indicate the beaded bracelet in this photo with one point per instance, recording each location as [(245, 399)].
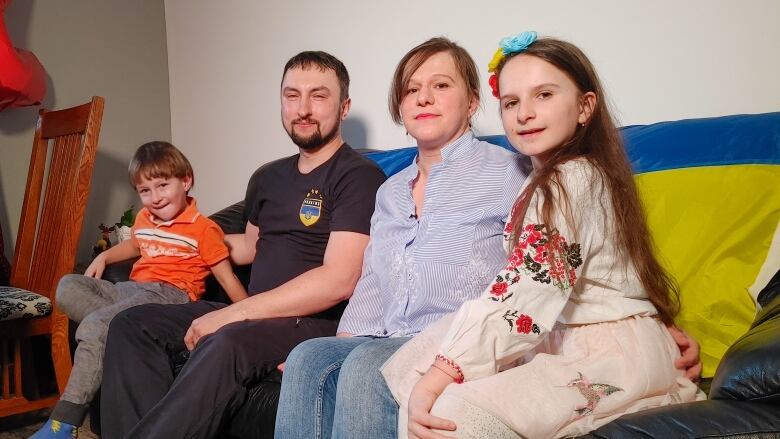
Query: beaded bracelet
[(459, 378)]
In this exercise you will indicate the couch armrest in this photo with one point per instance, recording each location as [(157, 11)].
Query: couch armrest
[(750, 369), (711, 419)]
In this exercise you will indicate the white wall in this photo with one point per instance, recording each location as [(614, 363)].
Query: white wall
[(111, 48), (660, 60)]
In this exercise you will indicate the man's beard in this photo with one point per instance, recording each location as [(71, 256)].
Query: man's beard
[(314, 141)]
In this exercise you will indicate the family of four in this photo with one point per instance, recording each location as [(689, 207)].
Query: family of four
[(499, 295)]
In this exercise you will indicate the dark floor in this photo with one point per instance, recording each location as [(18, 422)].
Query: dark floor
[(24, 425)]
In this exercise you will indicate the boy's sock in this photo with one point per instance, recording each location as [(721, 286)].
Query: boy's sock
[(64, 421), (56, 430)]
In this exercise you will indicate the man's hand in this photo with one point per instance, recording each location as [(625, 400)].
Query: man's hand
[(424, 395), (689, 360), (209, 324)]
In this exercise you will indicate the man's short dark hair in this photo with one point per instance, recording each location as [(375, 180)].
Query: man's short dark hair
[(323, 61)]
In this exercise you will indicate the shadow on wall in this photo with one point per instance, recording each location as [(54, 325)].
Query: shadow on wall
[(14, 121), (354, 131), (110, 185), (5, 230)]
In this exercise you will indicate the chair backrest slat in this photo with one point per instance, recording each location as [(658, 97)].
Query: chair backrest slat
[(63, 122), (55, 199)]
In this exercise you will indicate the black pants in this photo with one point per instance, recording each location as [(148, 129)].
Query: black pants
[(140, 397)]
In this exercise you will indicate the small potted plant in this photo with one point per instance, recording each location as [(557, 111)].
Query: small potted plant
[(123, 227)]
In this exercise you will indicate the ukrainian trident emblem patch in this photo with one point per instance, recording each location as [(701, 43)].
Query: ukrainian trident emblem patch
[(311, 208)]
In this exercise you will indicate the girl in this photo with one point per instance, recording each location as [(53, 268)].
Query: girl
[(570, 334)]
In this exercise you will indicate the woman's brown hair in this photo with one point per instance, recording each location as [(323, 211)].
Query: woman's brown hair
[(417, 56), (599, 142)]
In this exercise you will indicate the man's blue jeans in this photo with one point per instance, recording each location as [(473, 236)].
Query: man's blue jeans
[(332, 388)]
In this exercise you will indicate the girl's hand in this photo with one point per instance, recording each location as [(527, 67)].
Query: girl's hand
[(423, 396), (689, 360)]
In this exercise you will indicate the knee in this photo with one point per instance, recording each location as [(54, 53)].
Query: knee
[(309, 353), (363, 363), (313, 363), (360, 374), (125, 323), (449, 406), (69, 288), (303, 367), (224, 343), (472, 421)]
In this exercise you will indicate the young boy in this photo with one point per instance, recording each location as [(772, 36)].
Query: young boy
[(178, 248)]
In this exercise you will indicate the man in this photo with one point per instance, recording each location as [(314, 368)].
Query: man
[(308, 226)]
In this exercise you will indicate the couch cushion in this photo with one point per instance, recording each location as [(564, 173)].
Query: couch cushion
[(16, 303)]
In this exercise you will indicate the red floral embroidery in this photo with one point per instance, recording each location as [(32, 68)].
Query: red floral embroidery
[(499, 288), (523, 324), (545, 257), (515, 258)]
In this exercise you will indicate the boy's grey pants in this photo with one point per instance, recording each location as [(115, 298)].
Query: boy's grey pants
[(93, 303)]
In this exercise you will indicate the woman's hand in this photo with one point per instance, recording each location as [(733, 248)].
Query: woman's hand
[(424, 395)]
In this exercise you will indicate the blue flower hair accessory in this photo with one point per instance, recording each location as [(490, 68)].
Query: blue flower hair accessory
[(508, 46), (517, 43)]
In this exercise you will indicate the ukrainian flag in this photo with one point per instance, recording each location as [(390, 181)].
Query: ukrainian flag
[(711, 189)]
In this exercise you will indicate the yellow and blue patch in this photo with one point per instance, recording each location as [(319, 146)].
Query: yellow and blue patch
[(311, 208)]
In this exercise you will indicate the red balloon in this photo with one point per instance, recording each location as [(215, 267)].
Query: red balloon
[(22, 77)]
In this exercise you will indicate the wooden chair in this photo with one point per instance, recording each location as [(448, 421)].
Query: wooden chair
[(55, 198)]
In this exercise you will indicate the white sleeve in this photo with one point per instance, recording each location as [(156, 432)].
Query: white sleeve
[(524, 300)]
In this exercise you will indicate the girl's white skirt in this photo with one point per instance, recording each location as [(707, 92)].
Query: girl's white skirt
[(578, 379)]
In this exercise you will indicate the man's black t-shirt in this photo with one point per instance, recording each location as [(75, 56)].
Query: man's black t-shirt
[(296, 213)]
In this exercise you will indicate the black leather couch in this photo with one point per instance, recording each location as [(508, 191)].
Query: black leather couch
[(744, 394)]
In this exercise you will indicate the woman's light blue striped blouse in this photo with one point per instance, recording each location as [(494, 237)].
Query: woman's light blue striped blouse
[(417, 270)]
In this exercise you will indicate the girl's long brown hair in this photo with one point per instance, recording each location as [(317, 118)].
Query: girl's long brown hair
[(599, 142)]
